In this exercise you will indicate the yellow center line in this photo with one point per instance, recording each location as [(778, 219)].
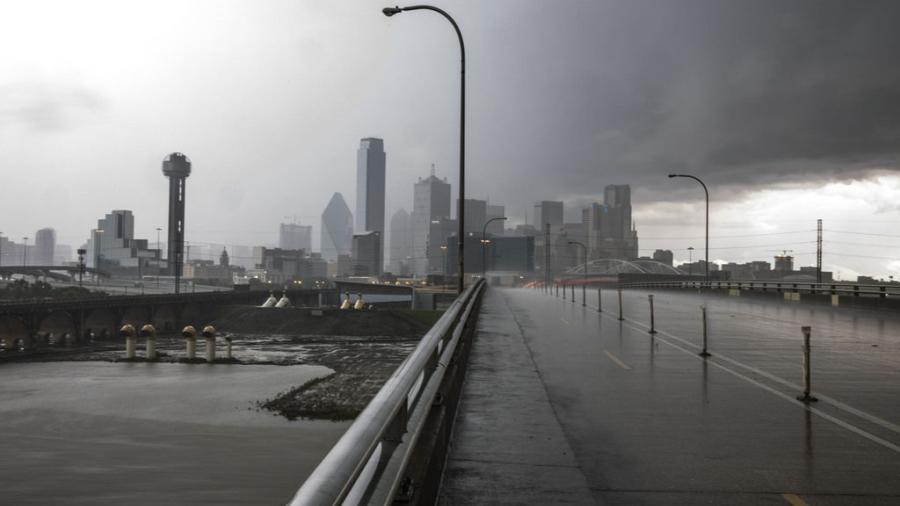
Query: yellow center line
[(618, 362), (564, 321), (794, 499)]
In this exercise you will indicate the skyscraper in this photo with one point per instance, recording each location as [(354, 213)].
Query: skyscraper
[(112, 244), (616, 221), (295, 236), (496, 227), (367, 259), (401, 243), (176, 167), (431, 203), (610, 232), (337, 229), (370, 168), (551, 212), (44, 246), (476, 215)]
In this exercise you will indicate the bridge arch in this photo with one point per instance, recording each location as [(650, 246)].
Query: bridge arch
[(13, 333), (56, 326), (101, 323)]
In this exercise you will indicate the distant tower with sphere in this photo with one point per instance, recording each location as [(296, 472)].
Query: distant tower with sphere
[(176, 167)]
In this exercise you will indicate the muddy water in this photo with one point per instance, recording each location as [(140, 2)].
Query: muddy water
[(153, 433)]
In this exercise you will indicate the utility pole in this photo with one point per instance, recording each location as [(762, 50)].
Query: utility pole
[(819, 250)]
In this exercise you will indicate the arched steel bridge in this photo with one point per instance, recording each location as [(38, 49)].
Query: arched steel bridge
[(613, 266)]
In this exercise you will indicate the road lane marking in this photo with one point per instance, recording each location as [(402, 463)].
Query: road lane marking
[(618, 362), (794, 499), (837, 421), (834, 402)]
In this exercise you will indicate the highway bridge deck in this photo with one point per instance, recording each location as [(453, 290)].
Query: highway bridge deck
[(563, 404)]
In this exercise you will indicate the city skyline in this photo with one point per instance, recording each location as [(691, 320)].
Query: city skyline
[(780, 166)]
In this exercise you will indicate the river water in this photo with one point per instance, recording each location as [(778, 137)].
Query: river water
[(153, 433)]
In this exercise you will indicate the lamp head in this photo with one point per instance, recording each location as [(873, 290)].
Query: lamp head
[(673, 175), (390, 11)]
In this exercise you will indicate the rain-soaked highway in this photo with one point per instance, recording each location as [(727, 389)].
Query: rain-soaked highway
[(565, 404)]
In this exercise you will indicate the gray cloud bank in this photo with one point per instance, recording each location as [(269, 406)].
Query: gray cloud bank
[(48, 107), (743, 94)]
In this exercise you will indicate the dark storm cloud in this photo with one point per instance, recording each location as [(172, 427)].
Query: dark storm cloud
[(743, 93), (47, 107)]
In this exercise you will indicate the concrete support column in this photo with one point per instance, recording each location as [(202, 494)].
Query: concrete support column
[(189, 334), (148, 332), (209, 333), (127, 331)]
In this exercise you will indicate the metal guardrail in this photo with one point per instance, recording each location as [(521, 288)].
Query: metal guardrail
[(367, 465), (853, 289)]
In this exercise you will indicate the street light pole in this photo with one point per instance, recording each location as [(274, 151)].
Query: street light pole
[(584, 283), (484, 244), (460, 214), (706, 191)]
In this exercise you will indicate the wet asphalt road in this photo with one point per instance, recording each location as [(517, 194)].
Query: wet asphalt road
[(647, 421)]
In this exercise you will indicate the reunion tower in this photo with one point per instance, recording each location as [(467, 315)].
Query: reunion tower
[(176, 167)]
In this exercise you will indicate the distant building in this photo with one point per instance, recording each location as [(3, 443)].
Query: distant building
[(431, 202), (367, 260), (664, 256), (507, 254), (698, 267), (287, 266), (475, 215), (44, 246), (526, 230), (295, 236), (495, 228), (401, 243), (13, 253), (548, 212), (784, 263), (208, 272), (337, 229), (566, 255), (370, 177), (439, 233), (112, 246), (609, 229), (243, 256), (748, 271)]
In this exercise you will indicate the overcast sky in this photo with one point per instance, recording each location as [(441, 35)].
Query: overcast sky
[(789, 110)]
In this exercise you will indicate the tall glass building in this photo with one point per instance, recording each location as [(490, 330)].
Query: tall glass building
[(370, 164), (337, 229), (431, 203)]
